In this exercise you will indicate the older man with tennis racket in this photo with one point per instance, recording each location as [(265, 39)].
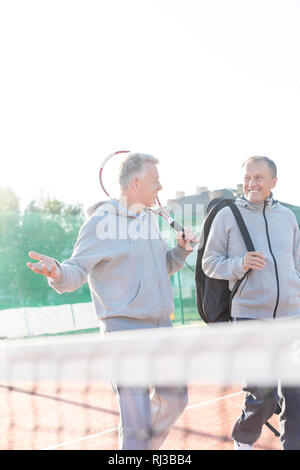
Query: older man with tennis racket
[(121, 253)]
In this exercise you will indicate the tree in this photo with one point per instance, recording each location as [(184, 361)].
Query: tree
[(33, 207), (48, 205), (9, 201), (54, 206), (73, 209)]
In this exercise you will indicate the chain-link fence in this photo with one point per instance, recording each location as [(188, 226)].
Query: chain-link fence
[(29, 307)]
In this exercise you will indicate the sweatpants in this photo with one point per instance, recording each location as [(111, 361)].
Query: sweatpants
[(260, 404), (146, 413)]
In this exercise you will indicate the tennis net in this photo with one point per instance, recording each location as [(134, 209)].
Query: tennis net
[(56, 394)]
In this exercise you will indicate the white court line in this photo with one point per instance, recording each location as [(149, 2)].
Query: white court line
[(214, 400), (81, 439), (203, 403)]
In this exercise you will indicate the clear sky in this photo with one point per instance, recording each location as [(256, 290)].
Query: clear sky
[(201, 84)]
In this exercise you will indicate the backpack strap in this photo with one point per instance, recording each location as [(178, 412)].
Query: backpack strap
[(248, 242), (242, 226)]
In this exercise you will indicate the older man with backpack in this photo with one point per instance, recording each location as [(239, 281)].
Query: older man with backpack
[(265, 282)]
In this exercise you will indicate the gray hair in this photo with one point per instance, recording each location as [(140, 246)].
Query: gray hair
[(270, 163), (134, 165)]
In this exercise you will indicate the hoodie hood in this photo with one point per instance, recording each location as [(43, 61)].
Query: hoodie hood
[(268, 202), (111, 206)]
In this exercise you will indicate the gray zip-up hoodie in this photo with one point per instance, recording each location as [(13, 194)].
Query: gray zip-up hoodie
[(275, 290), (126, 263)]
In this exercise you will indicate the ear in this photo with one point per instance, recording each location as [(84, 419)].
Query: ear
[(274, 182), (135, 184)]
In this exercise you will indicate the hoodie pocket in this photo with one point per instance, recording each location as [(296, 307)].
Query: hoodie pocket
[(296, 274), (292, 288), (242, 285), (146, 298), (251, 292)]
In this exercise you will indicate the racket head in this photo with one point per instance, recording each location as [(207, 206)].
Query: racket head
[(109, 168)]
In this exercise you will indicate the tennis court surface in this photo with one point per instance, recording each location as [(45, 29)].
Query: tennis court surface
[(56, 394)]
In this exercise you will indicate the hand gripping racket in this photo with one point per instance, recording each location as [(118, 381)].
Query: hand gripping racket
[(175, 225)]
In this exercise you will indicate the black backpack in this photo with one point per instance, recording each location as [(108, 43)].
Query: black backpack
[(213, 295)]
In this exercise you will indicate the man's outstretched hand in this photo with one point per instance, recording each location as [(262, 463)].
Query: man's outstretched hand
[(46, 265)]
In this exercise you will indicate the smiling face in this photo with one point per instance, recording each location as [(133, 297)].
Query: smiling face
[(258, 181)]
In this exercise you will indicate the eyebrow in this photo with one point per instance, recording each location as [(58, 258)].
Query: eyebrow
[(255, 176)]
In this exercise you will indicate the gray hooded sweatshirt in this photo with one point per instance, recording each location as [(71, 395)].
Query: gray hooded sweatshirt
[(126, 263), (275, 290)]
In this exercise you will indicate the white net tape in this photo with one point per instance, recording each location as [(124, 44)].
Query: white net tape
[(260, 352)]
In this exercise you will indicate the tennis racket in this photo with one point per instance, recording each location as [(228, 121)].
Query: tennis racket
[(160, 210)]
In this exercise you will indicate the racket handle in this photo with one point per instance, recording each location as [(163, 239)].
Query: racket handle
[(176, 226), (179, 228)]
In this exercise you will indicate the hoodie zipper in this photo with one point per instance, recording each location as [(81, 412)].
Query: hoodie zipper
[(275, 263)]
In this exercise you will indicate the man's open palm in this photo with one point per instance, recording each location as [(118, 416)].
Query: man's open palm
[(46, 265)]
